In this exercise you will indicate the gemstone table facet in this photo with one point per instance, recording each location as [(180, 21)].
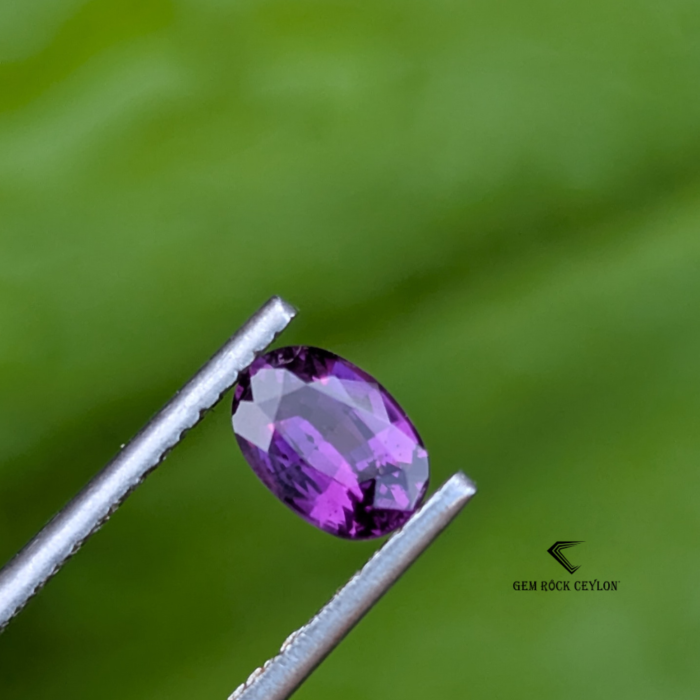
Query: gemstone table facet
[(330, 442)]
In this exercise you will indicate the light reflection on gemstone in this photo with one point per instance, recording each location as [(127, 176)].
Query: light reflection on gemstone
[(330, 442)]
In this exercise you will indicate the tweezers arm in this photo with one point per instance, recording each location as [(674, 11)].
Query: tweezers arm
[(307, 647), (24, 575)]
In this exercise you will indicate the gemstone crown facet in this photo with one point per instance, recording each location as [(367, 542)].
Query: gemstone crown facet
[(330, 442)]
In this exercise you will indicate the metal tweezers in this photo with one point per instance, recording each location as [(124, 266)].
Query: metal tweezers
[(306, 648)]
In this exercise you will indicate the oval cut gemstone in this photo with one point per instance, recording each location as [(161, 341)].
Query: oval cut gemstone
[(330, 442)]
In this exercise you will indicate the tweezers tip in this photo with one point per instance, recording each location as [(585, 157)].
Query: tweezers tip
[(462, 486), (286, 309)]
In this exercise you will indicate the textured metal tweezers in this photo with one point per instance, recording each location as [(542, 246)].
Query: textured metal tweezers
[(29, 570), (307, 647)]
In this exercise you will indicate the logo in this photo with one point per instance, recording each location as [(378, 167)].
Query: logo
[(555, 551)]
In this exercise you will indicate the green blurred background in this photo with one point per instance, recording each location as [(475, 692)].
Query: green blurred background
[(493, 207)]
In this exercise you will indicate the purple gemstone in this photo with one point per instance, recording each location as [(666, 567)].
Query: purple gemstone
[(330, 442)]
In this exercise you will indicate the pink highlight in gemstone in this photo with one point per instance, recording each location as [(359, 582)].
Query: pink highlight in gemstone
[(330, 442)]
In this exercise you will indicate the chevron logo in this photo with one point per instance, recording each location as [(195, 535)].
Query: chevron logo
[(555, 551)]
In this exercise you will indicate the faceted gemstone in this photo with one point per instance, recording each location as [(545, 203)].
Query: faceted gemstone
[(330, 442)]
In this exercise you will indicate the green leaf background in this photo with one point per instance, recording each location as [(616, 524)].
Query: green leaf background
[(493, 207)]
